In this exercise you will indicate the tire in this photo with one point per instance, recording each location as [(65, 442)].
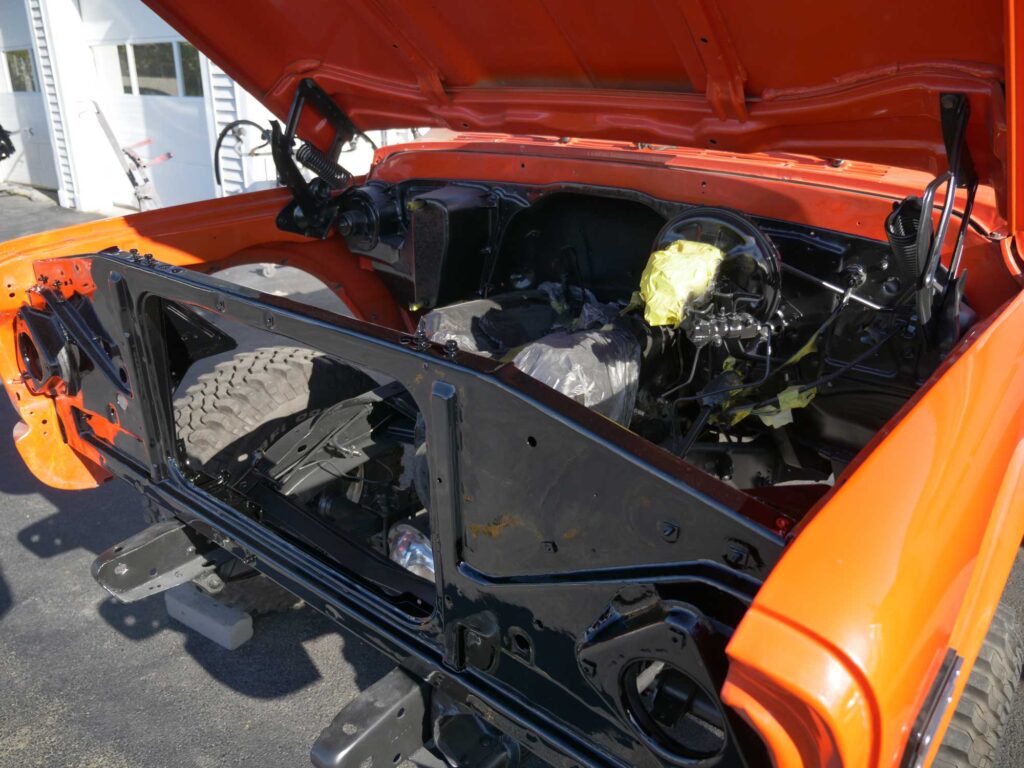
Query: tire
[(242, 406), (972, 739), (247, 402)]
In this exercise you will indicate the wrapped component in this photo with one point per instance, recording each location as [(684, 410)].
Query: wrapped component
[(589, 358), (676, 277), (599, 368), (492, 326), (565, 298), (595, 315)]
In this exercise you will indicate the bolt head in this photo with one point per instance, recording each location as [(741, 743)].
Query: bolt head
[(669, 531)]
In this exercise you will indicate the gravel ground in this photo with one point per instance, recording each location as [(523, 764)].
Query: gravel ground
[(87, 682)]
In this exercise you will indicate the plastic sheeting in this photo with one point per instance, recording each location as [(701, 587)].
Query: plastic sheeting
[(411, 549), (599, 368), (493, 326), (561, 336)]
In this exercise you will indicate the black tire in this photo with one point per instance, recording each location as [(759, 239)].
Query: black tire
[(972, 739), (243, 405), (247, 402)]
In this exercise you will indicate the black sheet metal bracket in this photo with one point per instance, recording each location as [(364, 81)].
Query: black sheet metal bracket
[(312, 212), (638, 627), (515, 579)]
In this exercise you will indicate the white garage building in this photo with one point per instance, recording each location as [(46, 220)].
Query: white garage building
[(68, 66)]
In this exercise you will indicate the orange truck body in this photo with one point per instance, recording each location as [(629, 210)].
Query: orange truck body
[(909, 553)]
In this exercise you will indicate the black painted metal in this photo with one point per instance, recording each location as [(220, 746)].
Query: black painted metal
[(311, 213), (542, 512), (467, 740), (334, 443), (638, 627)]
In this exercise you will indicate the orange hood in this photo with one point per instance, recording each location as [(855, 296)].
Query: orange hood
[(842, 80)]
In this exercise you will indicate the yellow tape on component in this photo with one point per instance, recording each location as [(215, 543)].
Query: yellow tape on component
[(675, 277)]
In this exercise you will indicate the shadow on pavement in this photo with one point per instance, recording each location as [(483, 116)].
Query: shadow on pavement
[(272, 664), (5, 596), (92, 520)]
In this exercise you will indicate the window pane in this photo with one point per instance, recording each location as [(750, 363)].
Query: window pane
[(112, 68), (23, 77), (191, 75), (154, 67), (125, 70)]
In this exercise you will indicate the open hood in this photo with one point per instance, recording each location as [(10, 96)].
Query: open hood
[(841, 80)]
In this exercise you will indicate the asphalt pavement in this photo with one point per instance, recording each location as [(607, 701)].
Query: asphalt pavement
[(90, 683)]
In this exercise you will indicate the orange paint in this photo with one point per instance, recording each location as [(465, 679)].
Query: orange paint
[(828, 79), (209, 236), (905, 558)]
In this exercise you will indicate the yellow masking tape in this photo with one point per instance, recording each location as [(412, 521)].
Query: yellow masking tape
[(789, 398)]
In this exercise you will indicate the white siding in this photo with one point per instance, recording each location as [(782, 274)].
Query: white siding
[(174, 124), (223, 110), (122, 20), (23, 114)]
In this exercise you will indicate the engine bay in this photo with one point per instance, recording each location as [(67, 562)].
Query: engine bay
[(761, 351), (764, 353), (567, 360)]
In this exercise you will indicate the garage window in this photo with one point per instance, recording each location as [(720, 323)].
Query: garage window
[(21, 71), (154, 67), (191, 75), (150, 69), (123, 69), (112, 68)]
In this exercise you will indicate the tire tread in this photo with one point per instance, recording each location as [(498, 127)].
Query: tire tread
[(972, 738)]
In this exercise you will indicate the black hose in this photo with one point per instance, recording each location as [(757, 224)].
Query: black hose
[(851, 364), (220, 140), (821, 380), (369, 141), (694, 431)]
